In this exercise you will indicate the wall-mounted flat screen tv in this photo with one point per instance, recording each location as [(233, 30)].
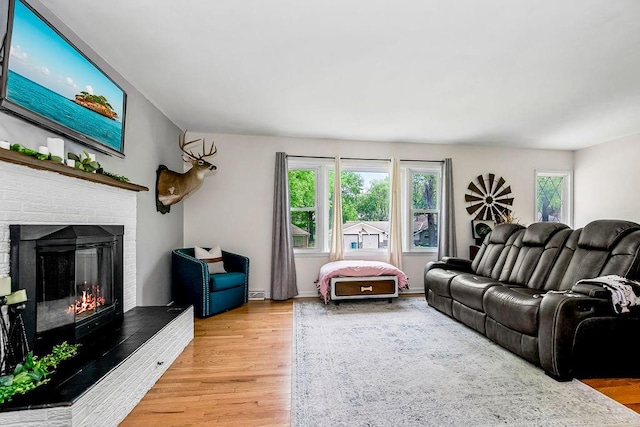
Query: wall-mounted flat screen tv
[(48, 81)]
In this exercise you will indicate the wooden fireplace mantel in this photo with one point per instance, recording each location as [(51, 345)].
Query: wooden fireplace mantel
[(34, 163)]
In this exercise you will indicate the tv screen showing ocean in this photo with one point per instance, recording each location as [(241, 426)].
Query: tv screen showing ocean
[(59, 109)]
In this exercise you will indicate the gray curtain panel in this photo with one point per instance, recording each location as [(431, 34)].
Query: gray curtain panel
[(283, 267), (447, 237)]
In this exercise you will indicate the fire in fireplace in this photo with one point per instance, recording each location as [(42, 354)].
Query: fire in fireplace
[(89, 301), (73, 277)]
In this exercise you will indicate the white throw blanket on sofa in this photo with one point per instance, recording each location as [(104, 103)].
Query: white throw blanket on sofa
[(625, 293)]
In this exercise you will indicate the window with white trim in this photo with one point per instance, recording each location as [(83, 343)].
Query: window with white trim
[(365, 205), (303, 198), (424, 208), (553, 197)]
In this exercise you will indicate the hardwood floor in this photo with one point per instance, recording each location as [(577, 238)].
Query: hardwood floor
[(237, 372), (623, 390)]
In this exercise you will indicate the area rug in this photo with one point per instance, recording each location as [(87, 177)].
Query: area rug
[(371, 363)]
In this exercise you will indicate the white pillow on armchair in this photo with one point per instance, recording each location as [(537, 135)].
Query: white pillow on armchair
[(212, 257)]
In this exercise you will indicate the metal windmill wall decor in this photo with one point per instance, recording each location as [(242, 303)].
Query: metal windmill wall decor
[(489, 199)]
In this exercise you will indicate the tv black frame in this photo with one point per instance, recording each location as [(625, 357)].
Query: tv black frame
[(7, 8)]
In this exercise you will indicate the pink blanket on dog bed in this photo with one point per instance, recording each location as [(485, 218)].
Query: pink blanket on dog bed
[(357, 268)]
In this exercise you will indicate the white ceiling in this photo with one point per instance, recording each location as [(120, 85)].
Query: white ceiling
[(525, 73)]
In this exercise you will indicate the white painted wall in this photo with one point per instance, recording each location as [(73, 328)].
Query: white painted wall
[(606, 176), (234, 206), (150, 140)]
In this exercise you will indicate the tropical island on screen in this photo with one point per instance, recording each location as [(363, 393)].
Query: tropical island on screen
[(97, 103)]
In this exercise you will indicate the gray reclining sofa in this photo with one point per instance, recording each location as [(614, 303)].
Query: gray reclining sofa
[(521, 292)]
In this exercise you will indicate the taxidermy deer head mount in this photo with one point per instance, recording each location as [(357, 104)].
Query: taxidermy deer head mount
[(171, 187)]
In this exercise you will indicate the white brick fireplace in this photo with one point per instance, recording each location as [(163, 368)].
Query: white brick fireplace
[(31, 196)]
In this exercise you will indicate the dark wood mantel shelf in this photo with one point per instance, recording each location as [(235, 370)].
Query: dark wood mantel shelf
[(32, 162)]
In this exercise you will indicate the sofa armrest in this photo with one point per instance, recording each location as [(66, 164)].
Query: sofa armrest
[(235, 263), (591, 289), (456, 263), (450, 263), (560, 316), (190, 282), (238, 263)]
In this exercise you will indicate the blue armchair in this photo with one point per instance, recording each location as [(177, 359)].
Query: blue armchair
[(209, 293)]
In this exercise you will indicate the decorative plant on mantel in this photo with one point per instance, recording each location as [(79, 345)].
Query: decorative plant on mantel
[(84, 163), (33, 372), (33, 153)]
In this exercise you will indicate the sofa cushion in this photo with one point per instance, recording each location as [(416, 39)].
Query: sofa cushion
[(494, 251), (549, 256), (539, 233), (502, 232), (440, 280), (561, 263), (535, 242), (219, 282), (604, 233), (609, 247), (469, 289), (625, 257), (514, 307)]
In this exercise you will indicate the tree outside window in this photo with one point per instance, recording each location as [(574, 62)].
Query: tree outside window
[(365, 205), (365, 208), (553, 197), (302, 199), (424, 209)]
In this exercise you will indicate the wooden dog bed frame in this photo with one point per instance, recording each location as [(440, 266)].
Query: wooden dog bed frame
[(347, 288)]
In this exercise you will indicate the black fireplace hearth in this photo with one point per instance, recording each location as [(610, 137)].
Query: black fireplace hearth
[(73, 275)]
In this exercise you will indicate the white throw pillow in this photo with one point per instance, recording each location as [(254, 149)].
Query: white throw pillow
[(212, 257)]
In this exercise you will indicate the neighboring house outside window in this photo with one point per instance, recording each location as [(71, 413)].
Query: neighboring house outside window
[(365, 234), (300, 237), (365, 205), (553, 197)]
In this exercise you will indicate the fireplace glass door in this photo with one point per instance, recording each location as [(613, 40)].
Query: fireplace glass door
[(94, 280), (73, 284), (55, 276)]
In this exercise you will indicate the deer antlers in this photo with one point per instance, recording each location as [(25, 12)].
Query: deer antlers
[(171, 187), (190, 156)]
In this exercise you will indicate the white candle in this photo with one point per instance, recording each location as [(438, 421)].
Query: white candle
[(17, 297), (56, 147), (71, 162), (5, 144), (5, 286), (43, 150)]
